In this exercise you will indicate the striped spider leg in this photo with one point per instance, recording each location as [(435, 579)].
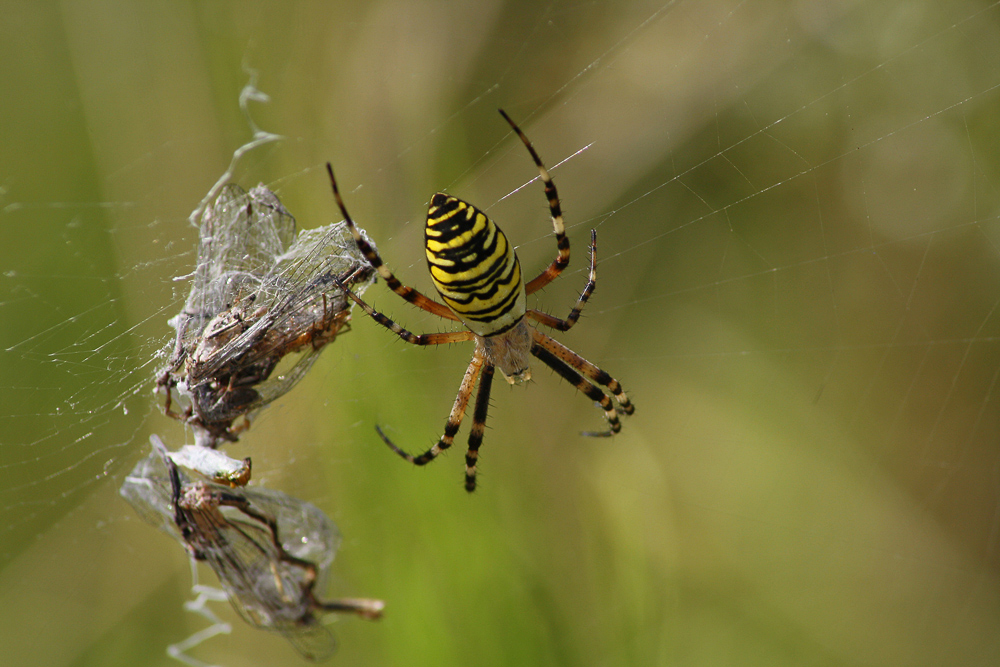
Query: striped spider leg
[(478, 277)]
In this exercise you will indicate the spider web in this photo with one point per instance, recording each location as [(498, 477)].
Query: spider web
[(798, 284)]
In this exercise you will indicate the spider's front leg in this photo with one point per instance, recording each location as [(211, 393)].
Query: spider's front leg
[(455, 418), (478, 426), (580, 373)]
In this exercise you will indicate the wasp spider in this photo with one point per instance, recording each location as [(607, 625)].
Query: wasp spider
[(478, 276)]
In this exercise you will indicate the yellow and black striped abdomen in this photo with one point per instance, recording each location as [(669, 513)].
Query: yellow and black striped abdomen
[(473, 266)]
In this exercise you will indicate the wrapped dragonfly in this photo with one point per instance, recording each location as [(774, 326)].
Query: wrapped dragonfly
[(270, 551), (259, 293)]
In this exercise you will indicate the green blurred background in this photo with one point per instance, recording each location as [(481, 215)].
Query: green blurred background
[(799, 275)]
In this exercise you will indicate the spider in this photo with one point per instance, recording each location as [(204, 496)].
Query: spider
[(477, 273)]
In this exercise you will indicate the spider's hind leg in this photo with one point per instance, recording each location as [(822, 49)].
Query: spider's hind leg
[(562, 241), (588, 289), (371, 254)]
